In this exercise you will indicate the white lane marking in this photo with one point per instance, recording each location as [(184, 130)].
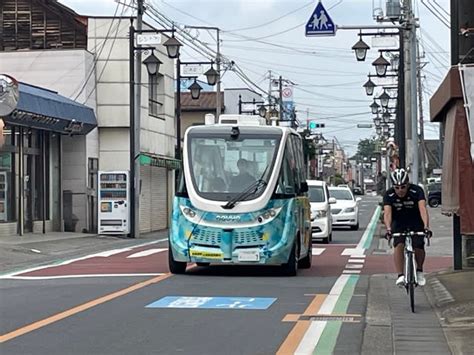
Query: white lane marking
[(351, 272), (359, 256), (313, 333), (66, 262), (31, 278), (106, 254), (318, 251), (354, 266), (356, 261), (307, 345), (353, 252), (147, 252)]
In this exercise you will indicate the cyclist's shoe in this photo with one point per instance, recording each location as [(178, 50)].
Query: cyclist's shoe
[(400, 281), (421, 278)]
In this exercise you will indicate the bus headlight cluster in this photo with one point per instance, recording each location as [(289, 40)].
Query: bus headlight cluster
[(189, 212), (267, 215)]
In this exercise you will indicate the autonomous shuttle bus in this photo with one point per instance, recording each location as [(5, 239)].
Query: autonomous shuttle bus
[(242, 197)]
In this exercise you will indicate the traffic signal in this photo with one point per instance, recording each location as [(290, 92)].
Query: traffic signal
[(314, 125)]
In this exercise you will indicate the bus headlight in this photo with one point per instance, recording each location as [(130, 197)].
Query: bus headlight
[(189, 212), (268, 215)]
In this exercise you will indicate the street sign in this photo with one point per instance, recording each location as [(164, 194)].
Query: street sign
[(213, 302), (287, 94), (320, 23), (364, 125), (148, 38), (192, 69)]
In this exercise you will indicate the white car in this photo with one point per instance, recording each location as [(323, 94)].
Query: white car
[(321, 219), (345, 212)]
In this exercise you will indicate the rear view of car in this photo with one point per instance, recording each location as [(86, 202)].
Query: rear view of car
[(321, 219)]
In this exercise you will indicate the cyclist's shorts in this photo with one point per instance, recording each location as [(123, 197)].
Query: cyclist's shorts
[(417, 242)]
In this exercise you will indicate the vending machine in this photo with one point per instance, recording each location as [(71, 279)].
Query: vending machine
[(113, 202)]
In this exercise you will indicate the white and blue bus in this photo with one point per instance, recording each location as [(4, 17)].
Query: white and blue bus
[(242, 197)]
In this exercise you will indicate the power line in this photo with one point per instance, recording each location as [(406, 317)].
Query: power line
[(92, 70), (271, 21)]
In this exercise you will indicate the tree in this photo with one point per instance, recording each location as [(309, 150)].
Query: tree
[(366, 148)]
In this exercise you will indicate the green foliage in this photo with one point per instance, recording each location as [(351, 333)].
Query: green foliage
[(366, 148), (338, 180)]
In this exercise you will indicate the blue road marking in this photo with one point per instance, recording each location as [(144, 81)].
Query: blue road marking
[(213, 302)]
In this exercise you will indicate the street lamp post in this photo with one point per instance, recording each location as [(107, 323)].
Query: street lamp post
[(212, 78), (152, 62)]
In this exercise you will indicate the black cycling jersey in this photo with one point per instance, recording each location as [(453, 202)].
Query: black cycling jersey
[(405, 211)]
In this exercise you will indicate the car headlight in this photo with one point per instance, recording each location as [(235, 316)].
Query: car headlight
[(349, 210), (319, 214)]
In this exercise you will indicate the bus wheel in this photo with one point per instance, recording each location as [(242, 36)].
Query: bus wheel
[(176, 267), (291, 267), (305, 263)]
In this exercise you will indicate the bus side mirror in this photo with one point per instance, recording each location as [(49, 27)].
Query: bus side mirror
[(304, 187)]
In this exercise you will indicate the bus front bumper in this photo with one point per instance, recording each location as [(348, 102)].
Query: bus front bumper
[(250, 255)]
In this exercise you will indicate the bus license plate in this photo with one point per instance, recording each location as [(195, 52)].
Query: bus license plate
[(249, 255)]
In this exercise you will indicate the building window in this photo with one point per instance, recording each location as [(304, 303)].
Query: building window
[(156, 95)]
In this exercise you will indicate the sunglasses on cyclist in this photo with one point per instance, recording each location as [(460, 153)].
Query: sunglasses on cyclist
[(400, 187)]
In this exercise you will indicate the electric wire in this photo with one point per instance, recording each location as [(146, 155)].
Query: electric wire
[(92, 70)]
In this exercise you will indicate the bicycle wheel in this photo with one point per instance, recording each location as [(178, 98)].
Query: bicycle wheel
[(411, 282)]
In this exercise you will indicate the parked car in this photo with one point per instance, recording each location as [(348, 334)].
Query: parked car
[(345, 212), (321, 218), (357, 190), (434, 198)]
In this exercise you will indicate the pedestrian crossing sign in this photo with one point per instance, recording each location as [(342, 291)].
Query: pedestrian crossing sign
[(320, 23)]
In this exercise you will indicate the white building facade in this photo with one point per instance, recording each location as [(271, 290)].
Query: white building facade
[(96, 74)]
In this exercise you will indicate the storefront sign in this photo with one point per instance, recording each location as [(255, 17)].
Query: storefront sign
[(74, 127)]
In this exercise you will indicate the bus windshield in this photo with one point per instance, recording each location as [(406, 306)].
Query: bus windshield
[(222, 167)]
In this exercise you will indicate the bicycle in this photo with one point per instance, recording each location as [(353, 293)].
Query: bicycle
[(409, 269)]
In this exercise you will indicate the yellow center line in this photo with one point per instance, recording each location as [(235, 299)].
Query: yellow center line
[(57, 317), (290, 344)]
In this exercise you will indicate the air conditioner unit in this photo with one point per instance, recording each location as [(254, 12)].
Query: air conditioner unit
[(394, 10)]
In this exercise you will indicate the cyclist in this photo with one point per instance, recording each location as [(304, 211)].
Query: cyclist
[(405, 208)]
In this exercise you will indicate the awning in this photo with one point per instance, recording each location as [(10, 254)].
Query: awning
[(159, 161), (45, 109)]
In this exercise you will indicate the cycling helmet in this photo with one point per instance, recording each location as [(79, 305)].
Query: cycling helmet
[(399, 176)]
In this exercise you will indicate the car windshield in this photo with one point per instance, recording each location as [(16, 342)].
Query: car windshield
[(222, 166), (316, 194), (341, 194)]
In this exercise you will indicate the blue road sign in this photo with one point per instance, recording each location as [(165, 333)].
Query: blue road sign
[(213, 302), (320, 23)]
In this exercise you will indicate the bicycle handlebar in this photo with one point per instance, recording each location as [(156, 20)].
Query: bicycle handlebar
[(412, 234), (404, 234)]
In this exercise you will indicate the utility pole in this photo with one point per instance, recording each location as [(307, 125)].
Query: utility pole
[(422, 128), (411, 92), (280, 91), (269, 98), (135, 135), (218, 86)]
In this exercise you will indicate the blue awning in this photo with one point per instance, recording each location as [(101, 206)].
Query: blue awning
[(45, 109)]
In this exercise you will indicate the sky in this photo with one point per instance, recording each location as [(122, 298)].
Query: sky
[(263, 35)]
